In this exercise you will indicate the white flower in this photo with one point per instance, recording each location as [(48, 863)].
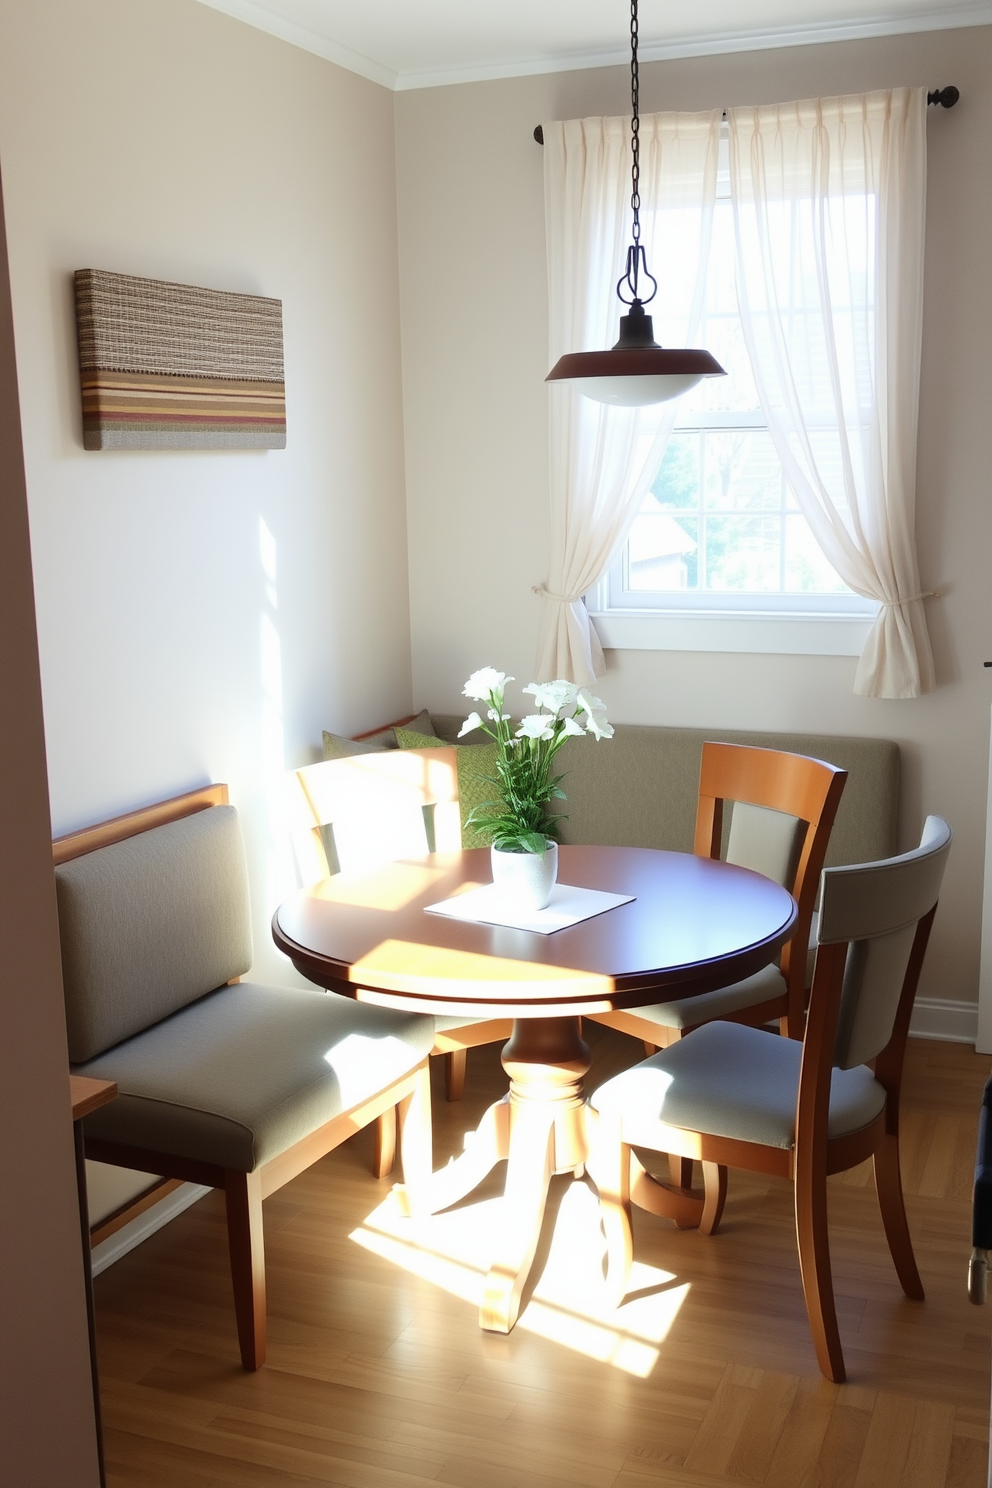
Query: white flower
[(571, 726), (590, 704), (484, 682), (553, 695), (598, 726), (497, 717), (473, 721), (536, 726)]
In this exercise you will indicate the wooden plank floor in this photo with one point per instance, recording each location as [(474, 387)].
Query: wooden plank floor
[(378, 1376)]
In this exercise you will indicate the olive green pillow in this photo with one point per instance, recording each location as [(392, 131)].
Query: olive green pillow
[(337, 746), (476, 764)]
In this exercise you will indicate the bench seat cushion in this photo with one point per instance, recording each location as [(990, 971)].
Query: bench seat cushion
[(247, 1071)]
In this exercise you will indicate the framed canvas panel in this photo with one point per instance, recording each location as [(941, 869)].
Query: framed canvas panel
[(171, 366)]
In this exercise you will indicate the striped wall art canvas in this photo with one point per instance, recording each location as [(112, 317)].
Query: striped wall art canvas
[(170, 366)]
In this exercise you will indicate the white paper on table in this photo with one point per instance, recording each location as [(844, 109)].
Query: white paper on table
[(567, 906)]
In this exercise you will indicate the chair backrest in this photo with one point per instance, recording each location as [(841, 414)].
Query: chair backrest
[(153, 914), (355, 813), (880, 912), (783, 809)]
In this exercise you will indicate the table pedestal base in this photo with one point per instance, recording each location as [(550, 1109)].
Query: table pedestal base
[(542, 1127)]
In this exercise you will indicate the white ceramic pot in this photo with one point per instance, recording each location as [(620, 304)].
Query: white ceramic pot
[(525, 879)]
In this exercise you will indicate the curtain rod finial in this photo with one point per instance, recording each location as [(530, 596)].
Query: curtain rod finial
[(945, 97)]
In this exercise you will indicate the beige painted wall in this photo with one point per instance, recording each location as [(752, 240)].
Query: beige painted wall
[(47, 1433), (473, 287), (203, 615)]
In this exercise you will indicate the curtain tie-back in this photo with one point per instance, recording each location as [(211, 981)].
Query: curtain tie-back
[(561, 598), (893, 604)]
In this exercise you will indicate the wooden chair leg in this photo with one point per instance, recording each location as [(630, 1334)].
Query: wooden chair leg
[(417, 1142), (814, 1264), (385, 1144), (649, 1048), (454, 1074), (715, 1185), (680, 1171), (243, 1192), (888, 1185)]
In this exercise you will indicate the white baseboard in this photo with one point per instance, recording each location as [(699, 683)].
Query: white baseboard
[(954, 1022), (130, 1235)]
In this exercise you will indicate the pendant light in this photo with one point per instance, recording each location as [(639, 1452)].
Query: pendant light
[(637, 370)]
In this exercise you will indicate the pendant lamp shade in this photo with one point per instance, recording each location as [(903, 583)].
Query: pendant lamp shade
[(636, 371)]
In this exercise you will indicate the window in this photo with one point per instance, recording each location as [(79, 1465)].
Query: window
[(720, 538)]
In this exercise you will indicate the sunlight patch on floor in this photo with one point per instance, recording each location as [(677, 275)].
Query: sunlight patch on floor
[(569, 1305)]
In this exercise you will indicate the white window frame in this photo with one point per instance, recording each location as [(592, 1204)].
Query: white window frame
[(790, 633), (791, 624)]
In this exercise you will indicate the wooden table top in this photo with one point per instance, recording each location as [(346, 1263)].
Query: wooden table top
[(694, 925)]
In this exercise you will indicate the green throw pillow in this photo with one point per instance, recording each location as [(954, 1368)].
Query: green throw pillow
[(476, 764), (337, 746)]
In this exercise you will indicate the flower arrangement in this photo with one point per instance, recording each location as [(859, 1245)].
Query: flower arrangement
[(518, 820)]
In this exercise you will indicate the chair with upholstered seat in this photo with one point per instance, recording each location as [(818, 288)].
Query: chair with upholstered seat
[(221, 1082), (357, 813), (729, 1094), (783, 809)]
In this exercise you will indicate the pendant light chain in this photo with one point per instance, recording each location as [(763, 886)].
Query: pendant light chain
[(635, 128), (628, 289)]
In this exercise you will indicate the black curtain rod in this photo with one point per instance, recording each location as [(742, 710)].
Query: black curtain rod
[(941, 97)]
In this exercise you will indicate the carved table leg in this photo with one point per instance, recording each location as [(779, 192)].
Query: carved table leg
[(489, 1145), (546, 1061)]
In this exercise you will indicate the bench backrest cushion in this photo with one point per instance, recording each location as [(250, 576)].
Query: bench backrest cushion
[(640, 788), (150, 924)]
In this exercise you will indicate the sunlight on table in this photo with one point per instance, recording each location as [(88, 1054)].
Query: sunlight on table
[(569, 1304), (471, 977)]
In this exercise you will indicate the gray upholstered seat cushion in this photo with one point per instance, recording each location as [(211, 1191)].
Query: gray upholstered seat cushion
[(241, 1075), (731, 1081), (686, 1012)]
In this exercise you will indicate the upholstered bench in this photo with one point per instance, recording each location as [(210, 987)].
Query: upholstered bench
[(221, 1082)]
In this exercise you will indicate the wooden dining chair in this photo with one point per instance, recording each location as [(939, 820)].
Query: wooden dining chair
[(732, 1095), (356, 813), (783, 807)]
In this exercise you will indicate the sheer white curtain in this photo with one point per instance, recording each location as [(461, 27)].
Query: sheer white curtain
[(829, 200), (603, 459)]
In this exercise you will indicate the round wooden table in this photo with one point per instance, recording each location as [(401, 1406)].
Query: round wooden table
[(695, 924)]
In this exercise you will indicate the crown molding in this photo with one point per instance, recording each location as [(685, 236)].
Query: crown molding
[(700, 46), (264, 18)]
